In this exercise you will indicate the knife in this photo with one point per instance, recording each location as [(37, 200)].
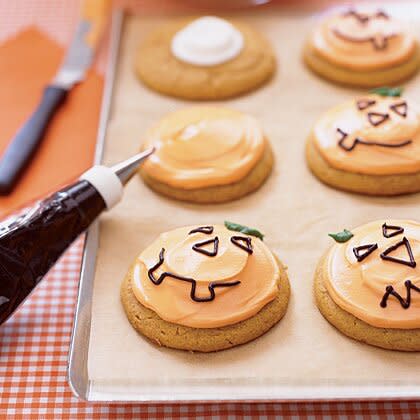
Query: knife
[(72, 71)]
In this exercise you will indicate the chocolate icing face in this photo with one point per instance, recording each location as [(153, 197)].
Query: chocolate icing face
[(363, 40), (374, 28), (372, 135), (374, 118), (375, 275), (205, 276)]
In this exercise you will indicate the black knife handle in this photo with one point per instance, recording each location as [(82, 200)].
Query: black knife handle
[(24, 144)]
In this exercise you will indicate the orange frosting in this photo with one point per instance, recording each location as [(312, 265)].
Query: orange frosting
[(363, 41), (204, 146), (258, 274), (397, 128), (358, 287)]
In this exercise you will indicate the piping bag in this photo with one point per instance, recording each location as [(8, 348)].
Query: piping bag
[(32, 243)]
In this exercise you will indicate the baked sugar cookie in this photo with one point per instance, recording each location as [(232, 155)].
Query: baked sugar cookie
[(207, 155), (368, 284), (205, 288), (370, 145), (205, 58), (364, 49)]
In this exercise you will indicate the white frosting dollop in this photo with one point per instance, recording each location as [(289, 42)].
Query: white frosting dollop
[(207, 41)]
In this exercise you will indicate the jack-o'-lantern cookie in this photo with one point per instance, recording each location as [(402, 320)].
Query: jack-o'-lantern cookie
[(368, 284), (363, 49), (205, 58), (205, 288), (207, 155), (370, 145)]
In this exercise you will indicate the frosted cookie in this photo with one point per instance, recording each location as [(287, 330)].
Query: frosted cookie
[(370, 145), (207, 155), (205, 58), (363, 49), (205, 288), (368, 284)]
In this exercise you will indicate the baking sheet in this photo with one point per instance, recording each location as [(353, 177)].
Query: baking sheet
[(303, 355)]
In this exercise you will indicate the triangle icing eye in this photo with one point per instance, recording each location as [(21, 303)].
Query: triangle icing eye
[(376, 118), (381, 14), (364, 103), (361, 252), (411, 262), (360, 17), (198, 247), (400, 108), (207, 230), (389, 231), (243, 242)]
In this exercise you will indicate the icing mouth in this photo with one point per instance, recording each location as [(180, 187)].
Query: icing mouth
[(348, 148), (211, 286), (390, 291), (379, 42)]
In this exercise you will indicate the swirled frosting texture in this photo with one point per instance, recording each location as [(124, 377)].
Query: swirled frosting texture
[(258, 274), (363, 40), (204, 146), (389, 121), (358, 287)]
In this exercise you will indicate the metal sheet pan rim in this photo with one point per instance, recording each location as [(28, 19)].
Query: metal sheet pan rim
[(78, 379), (268, 392)]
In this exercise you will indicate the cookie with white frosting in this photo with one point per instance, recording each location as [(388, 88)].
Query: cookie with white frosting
[(204, 58)]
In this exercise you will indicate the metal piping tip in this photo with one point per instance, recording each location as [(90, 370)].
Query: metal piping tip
[(127, 168)]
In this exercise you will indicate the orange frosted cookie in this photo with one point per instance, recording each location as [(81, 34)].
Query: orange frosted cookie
[(368, 284), (205, 288), (207, 155), (369, 145), (362, 48)]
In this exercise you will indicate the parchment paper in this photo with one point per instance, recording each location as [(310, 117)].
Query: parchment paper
[(293, 209)]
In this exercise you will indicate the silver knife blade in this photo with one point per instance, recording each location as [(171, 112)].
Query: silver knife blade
[(77, 60), (82, 48)]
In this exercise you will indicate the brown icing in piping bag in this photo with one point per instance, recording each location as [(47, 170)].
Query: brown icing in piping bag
[(31, 244)]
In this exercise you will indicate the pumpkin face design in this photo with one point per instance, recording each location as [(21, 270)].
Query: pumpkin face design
[(203, 276), (375, 28), (382, 121), (376, 274), (372, 134)]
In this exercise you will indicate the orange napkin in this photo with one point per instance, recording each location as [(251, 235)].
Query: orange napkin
[(28, 63)]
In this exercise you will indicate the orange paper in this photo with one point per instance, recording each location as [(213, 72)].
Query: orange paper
[(28, 63)]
